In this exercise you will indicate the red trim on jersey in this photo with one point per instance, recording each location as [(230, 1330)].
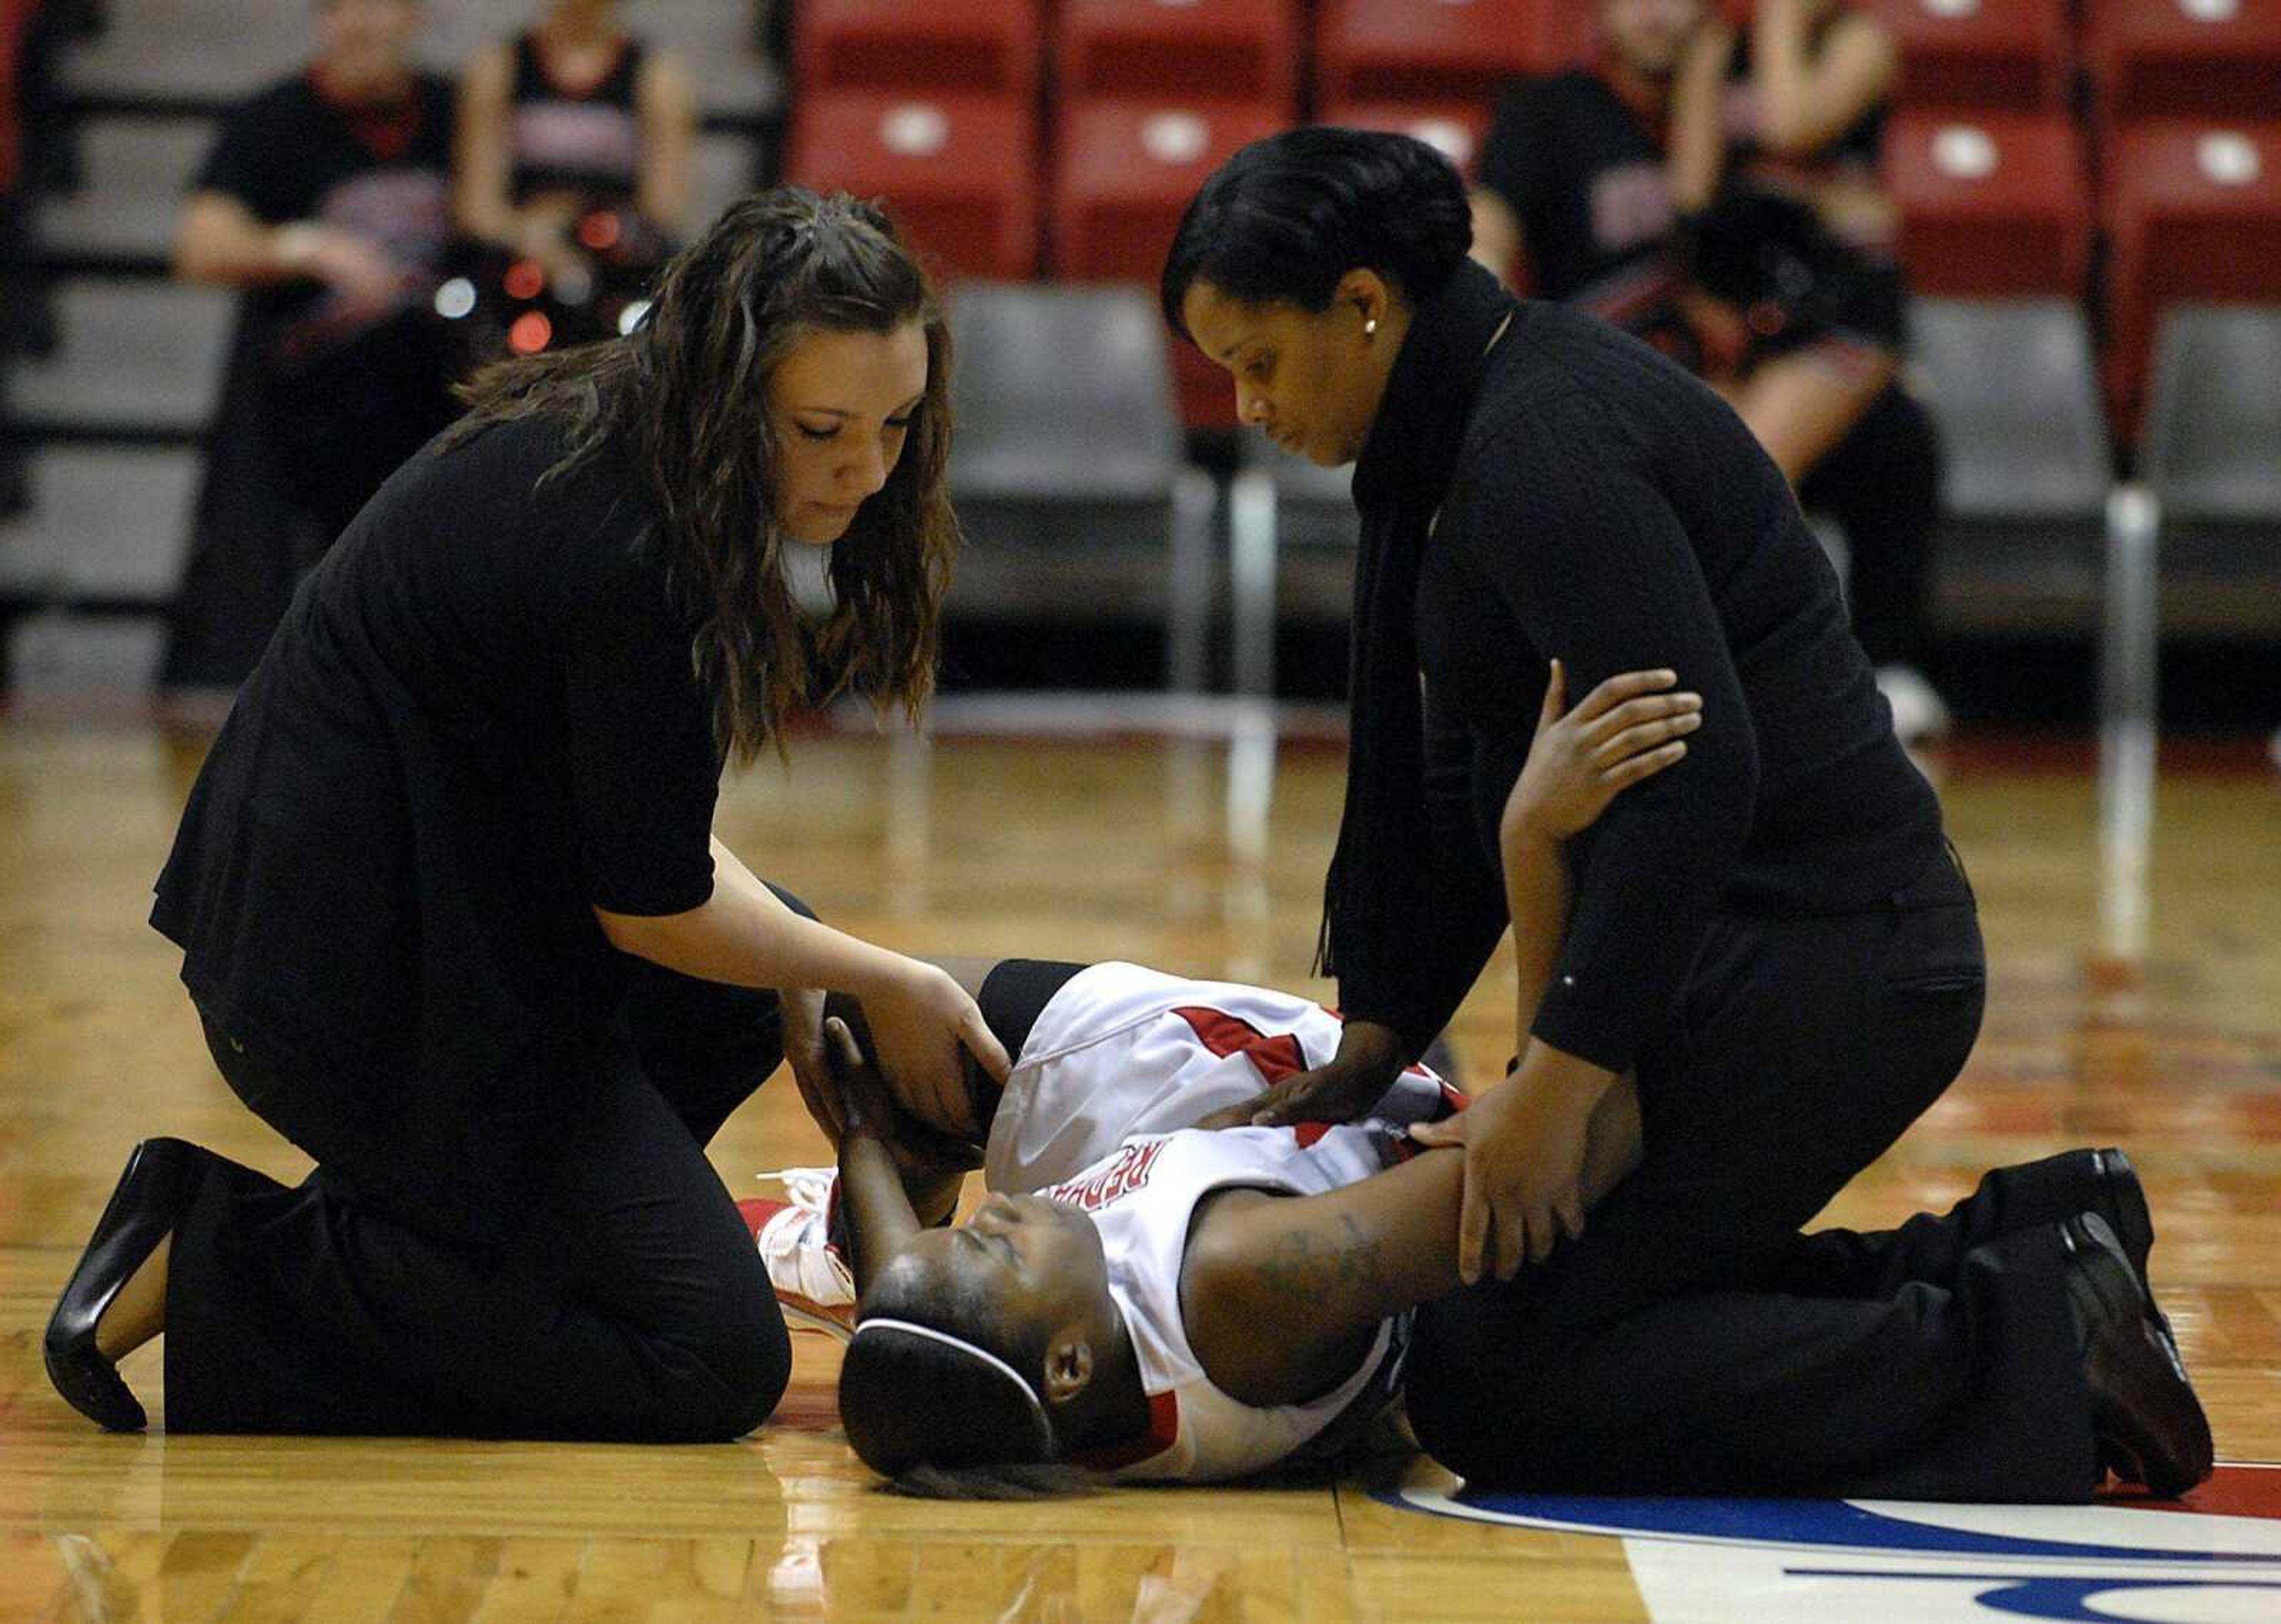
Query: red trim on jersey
[(1162, 1432), (1279, 1058), (1275, 1058)]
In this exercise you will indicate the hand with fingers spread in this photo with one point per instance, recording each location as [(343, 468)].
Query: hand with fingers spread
[(922, 1024), (1631, 727)]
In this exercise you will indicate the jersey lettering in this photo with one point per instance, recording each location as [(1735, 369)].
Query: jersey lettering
[(1127, 1173)]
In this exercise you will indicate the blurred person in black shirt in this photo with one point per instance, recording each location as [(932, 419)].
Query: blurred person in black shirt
[(326, 199), (575, 154), (1581, 182)]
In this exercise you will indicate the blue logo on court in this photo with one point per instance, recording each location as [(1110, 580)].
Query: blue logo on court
[(2214, 1558)]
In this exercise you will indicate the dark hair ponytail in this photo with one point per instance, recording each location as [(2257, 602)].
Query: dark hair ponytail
[(1290, 215)]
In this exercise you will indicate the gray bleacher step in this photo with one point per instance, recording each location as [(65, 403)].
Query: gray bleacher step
[(174, 51), (723, 172), (183, 54), (131, 353), (133, 176), (105, 523), (61, 661), (718, 39)]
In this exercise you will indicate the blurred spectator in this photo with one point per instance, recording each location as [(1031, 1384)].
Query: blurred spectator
[(1579, 182), (327, 199), (1777, 133), (575, 146)]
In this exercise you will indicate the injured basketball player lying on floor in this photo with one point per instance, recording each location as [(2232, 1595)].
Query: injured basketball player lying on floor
[(1194, 1304), (1151, 1291)]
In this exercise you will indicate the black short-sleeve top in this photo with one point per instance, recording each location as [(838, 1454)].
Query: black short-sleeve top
[(1584, 173), (380, 169), (478, 722)]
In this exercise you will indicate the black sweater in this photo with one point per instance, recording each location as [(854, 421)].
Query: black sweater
[(1596, 504)]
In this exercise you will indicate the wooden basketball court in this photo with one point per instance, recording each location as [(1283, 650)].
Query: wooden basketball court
[(1068, 848)]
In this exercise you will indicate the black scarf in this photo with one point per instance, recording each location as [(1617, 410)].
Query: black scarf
[(1373, 913)]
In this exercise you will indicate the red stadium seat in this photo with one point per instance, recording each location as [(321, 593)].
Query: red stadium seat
[(15, 21), (1981, 53), (2193, 210), (1457, 128), (1443, 50), (960, 174), (2185, 59), (1992, 204), (1223, 50), (1128, 169), (975, 47)]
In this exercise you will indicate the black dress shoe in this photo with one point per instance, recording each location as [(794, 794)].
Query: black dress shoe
[(2150, 1426), (162, 1175), (2122, 1203)]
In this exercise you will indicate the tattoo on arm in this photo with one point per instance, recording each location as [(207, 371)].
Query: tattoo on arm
[(1311, 1272)]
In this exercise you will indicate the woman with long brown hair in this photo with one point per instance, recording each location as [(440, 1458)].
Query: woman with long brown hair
[(452, 915)]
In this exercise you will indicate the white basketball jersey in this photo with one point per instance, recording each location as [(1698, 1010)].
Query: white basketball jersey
[(1120, 1058), (1142, 1198), (1122, 1049)]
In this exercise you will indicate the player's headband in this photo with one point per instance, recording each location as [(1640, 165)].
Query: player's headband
[(972, 1351)]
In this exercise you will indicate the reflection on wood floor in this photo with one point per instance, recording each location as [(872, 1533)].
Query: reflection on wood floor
[(1071, 849)]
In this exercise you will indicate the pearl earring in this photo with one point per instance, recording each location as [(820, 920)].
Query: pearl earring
[(1370, 327)]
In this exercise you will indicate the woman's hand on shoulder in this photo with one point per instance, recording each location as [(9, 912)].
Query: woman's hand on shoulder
[(1629, 728)]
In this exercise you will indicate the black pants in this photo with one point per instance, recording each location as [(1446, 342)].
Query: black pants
[(620, 1299), (1692, 1342), (1881, 484)]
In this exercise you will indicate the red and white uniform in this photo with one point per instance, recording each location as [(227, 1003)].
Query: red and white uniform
[(1118, 1060), (1123, 1049)]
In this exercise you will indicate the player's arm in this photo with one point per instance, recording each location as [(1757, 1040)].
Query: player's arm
[(1282, 1296), (885, 1198)]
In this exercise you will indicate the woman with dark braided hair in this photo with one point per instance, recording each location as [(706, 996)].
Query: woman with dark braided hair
[(452, 915)]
